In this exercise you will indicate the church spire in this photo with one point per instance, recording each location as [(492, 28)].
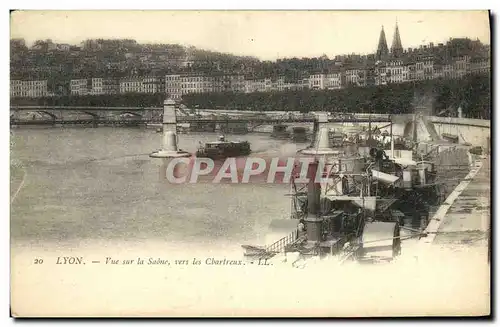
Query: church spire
[(382, 50), (397, 47)]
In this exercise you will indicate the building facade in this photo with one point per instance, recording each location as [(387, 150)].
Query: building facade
[(29, 89), (79, 87)]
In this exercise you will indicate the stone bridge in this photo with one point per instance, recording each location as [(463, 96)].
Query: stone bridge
[(69, 113), (151, 115)]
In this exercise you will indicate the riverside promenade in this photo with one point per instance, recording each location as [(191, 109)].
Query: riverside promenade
[(463, 220)]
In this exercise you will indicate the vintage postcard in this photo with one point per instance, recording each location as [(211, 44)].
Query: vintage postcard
[(250, 163)]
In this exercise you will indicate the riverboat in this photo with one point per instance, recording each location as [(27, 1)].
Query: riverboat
[(223, 149)]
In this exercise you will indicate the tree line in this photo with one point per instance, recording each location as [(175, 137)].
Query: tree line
[(471, 93)]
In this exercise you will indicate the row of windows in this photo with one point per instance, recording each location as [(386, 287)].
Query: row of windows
[(32, 87), (30, 90), (98, 81), (202, 78), (173, 87), (84, 92), (137, 84), (137, 88), (323, 79), (396, 71), (193, 79), (28, 83), (29, 94)]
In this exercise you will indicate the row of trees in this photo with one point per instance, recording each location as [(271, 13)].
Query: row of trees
[(472, 94)]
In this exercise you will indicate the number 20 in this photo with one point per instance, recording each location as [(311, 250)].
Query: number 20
[(38, 261)]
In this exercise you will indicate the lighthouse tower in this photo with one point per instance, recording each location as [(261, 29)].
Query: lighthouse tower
[(169, 148), (169, 145)]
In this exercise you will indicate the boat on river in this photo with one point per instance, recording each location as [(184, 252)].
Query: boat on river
[(222, 149)]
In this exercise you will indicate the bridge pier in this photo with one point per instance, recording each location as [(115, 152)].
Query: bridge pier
[(320, 122)]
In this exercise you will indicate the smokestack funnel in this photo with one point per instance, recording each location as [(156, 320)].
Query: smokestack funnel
[(313, 221)]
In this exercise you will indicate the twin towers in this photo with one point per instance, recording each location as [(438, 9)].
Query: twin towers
[(396, 47)]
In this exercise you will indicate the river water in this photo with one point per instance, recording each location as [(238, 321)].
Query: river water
[(100, 184)]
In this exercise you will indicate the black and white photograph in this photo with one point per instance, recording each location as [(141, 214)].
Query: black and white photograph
[(250, 163)]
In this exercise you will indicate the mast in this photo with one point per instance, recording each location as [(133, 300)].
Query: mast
[(392, 139), (369, 128)]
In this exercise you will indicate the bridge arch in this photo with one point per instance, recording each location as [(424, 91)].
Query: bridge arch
[(135, 114), (43, 112), (92, 114)]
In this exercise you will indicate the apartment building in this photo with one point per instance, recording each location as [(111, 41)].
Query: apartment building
[(381, 73), (111, 86), (438, 69), (16, 87), (448, 70), (28, 89), (173, 86), (479, 65), (396, 72), (408, 71), (237, 83), (355, 76), (317, 82), (79, 86), (152, 85), (131, 85), (96, 86), (461, 66), (220, 83), (428, 68), (278, 84), (333, 81), (93, 86), (293, 86), (196, 84), (258, 85)]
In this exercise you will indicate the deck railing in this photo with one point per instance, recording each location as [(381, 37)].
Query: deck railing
[(279, 245)]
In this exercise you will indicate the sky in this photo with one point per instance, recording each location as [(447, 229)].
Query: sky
[(268, 35)]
